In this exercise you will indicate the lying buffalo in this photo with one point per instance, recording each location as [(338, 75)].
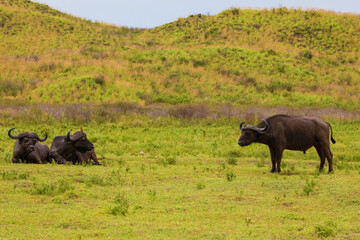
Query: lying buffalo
[(28, 150), (74, 148), (280, 132)]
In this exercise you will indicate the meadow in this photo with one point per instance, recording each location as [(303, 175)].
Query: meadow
[(194, 182), (178, 93)]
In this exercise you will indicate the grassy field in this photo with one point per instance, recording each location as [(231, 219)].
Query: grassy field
[(178, 93), (194, 182)]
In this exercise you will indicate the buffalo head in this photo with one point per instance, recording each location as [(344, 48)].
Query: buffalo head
[(27, 140), (250, 133), (80, 141)]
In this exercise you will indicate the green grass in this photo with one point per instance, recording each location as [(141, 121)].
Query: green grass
[(178, 93), (186, 185)]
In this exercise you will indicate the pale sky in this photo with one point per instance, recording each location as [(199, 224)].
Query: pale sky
[(154, 13)]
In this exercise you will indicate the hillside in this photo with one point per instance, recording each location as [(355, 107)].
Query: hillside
[(242, 57)]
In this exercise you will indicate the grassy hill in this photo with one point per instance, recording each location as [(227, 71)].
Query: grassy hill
[(242, 57)]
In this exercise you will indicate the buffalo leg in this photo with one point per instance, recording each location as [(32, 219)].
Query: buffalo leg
[(329, 157), (15, 160), (278, 157), (80, 158), (94, 157), (322, 157), (273, 160), (38, 160), (58, 158)]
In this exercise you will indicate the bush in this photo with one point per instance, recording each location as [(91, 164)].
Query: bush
[(11, 87)]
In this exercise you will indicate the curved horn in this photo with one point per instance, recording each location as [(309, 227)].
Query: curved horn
[(241, 126), (68, 135), (43, 139), (264, 128), (11, 136)]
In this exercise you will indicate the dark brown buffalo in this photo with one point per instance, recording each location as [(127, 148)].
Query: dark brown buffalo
[(74, 148), (28, 150), (280, 132)]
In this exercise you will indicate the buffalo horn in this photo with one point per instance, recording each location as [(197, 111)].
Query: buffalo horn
[(264, 128), (241, 126), (68, 135), (43, 139), (11, 136)]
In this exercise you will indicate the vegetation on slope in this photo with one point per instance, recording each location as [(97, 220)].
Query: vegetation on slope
[(242, 57)]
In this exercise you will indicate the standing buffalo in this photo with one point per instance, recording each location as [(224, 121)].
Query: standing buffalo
[(280, 132), (75, 148), (27, 148)]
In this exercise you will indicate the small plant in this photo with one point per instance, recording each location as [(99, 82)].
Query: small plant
[(62, 186), (309, 187), (308, 55), (326, 230), (232, 160), (51, 189), (93, 180), (234, 154), (171, 160), (44, 189), (223, 166), (152, 194), (200, 186), (13, 175), (230, 176), (121, 206), (248, 221)]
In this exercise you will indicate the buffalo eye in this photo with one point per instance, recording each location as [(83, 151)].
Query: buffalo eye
[(25, 140)]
